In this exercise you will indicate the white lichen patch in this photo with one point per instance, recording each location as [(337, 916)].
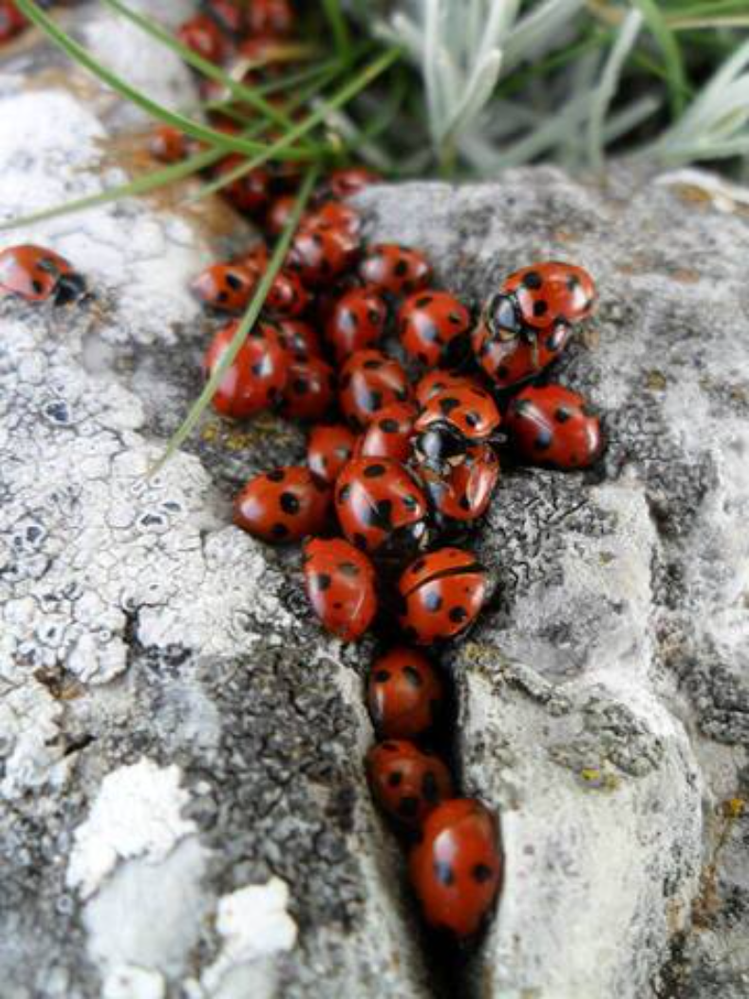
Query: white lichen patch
[(137, 813)]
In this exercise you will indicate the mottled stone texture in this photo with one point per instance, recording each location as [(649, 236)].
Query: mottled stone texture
[(173, 727)]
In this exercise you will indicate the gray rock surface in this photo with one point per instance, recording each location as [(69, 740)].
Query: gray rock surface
[(183, 810)]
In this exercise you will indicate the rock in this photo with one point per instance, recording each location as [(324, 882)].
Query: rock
[(184, 811)]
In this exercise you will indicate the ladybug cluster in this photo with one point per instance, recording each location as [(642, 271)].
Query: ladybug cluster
[(411, 403)]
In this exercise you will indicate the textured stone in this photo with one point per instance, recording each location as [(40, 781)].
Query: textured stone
[(150, 650)]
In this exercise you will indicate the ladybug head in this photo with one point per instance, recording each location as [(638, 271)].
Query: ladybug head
[(440, 447), (69, 288), (501, 317)]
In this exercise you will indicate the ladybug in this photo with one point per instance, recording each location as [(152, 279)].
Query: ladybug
[(319, 255), (228, 14), (38, 275), (203, 36), (442, 594), (330, 448), (341, 586), (358, 321), (249, 193), (460, 415), (348, 181), (407, 782), (279, 213), (436, 381), (548, 293), (256, 377), (405, 694), (552, 426), (334, 215), (287, 295), (270, 17), (390, 434), (464, 492), (510, 361), (168, 145), (370, 380), (433, 328), (286, 504), (380, 506), (298, 338), (310, 389), (226, 287), (255, 259), (12, 21), (456, 868), (396, 269)]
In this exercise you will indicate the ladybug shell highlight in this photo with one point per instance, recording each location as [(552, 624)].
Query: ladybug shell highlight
[(370, 380), (378, 503), (298, 338), (395, 269), (433, 327), (37, 274), (510, 361), (407, 782), (341, 587), (553, 426), (256, 377), (286, 504), (405, 694), (329, 449), (465, 491), (390, 434), (442, 594), (547, 293), (456, 868)]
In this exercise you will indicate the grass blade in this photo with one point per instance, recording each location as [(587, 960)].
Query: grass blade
[(673, 62), (228, 143), (339, 27), (248, 321), (604, 93)]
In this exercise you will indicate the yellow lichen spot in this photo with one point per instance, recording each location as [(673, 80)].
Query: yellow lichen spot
[(692, 194), (734, 808), (606, 558), (655, 380), (685, 275)]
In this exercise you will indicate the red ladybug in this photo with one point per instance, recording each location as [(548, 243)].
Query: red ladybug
[(320, 255), (435, 382), (555, 427), (257, 376), (390, 434), (394, 268), (255, 259), (249, 193), (299, 338), (357, 322), (310, 389), (12, 21), (349, 181), (227, 287), (329, 449), (442, 594), (287, 504), (270, 17), (405, 694), (341, 586), (456, 868), (460, 415), (168, 145), (379, 505), (228, 14), (433, 327), (464, 492), (37, 275), (548, 293), (407, 782), (334, 215), (203, 36), (287, 295), (510, 361), (370, 380)]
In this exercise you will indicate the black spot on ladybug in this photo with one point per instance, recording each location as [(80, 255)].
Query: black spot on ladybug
[(374, 471), (458, 614), (424, 301), (300, 386), (401, 395), (37, 286), (562, 415), (373, 402), (410, 503), (543, 440), (429, 788), (443, 872), (289, 503), (401, 269), (348, 569), (381, 676), (413, 676), (389, 426), (573, 282), (533, 280), (433, 602), (234, 282), (503, 371), (408, 807), (395, 778), (323, 581), (222, 297), (384, 510), (279, 531), (455, 319), (372, 364), (277, 475), (482, 873), (464, 504), (449, 404), (472, 419), (540, 309)]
